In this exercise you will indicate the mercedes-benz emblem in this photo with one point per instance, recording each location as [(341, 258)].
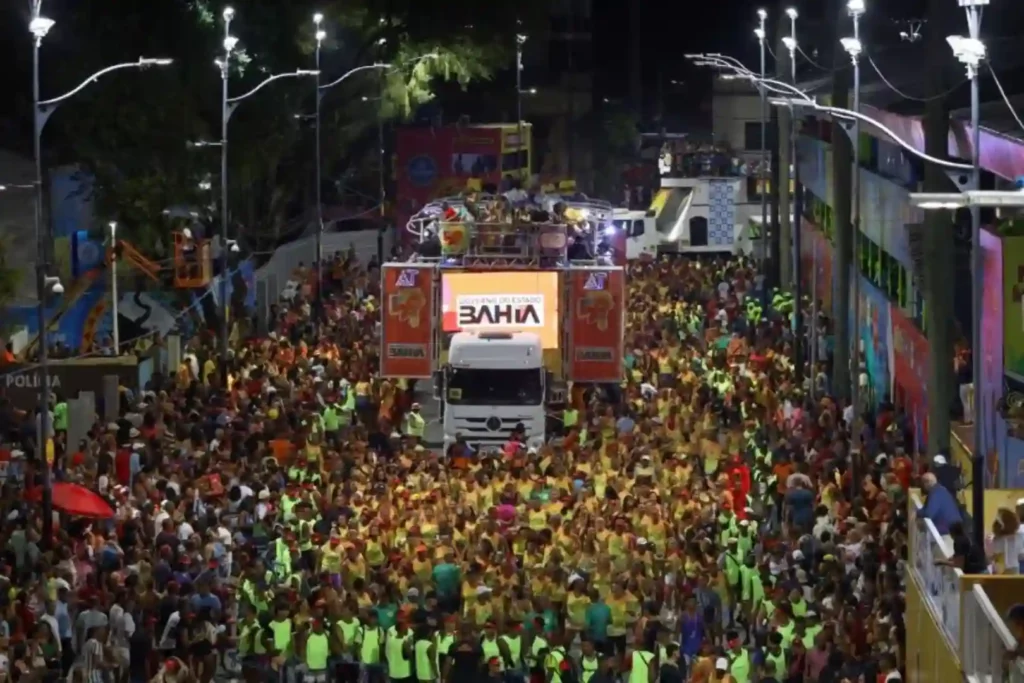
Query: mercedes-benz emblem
[(493, 423)]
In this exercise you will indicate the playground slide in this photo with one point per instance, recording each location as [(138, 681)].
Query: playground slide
[(74, 293)]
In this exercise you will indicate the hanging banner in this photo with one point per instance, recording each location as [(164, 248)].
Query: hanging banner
[(598, 324), (874, 332), (407, 327)]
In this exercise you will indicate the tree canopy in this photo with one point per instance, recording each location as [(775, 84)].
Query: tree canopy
[(130, 130)]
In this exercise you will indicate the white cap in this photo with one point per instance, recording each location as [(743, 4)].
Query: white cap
[(133, 432), (722, 664), (744, 522), (412, 593), (574, 577), (483, 590), (939, 460), (798, 555), (264, 495), (641, 542)]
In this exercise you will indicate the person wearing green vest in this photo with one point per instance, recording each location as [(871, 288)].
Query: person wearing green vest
[(556, 661), (537, 648), (346, 629), (252, 649), (443, 642), (331, 419), (644, 666), (751, 590), (513, 642), (398, 648), (570, 417), (775, 654), (425, 655), (738, 658), (494, 648), (281, 632), (370, 638), (590, 661), (414, 423), (316, 652)]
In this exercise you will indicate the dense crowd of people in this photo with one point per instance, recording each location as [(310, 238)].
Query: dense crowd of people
[(708, 521)]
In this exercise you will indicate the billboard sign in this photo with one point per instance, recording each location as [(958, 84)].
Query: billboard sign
[(502, 302), (407, 322), (22, 384), (598, 325)]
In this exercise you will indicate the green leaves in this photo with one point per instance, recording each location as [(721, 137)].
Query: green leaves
[(130, 131)]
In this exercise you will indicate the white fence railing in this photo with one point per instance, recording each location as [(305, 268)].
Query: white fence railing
[(940, 583), (986, 642)]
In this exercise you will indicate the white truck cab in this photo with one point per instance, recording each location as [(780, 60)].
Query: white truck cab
[(494, 381), (640, 231)]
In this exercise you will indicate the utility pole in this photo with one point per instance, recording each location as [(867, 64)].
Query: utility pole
[(842, 179), (785, 132), (939, 258)]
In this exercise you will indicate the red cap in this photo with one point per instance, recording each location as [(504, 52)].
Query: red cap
[(171, 665)]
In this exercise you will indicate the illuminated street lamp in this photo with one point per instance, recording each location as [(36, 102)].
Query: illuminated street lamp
[(39, 26), (854, 48)]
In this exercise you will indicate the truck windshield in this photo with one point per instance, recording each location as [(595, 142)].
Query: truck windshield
[(480, 386)]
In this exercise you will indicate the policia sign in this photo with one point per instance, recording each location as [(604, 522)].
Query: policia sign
[(21, 384)]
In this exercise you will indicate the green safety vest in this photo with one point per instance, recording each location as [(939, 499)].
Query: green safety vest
[(739, 666), (348, 629), (330, 418), (492, 651), (398, 665), (250, 639), (588, 667), (423, 664), (282, 631), (415, 425), (369, 650), (515, 648), (570, 417), (535, 649), (779, 661), (641, 663), (444, 642), (318, 651)]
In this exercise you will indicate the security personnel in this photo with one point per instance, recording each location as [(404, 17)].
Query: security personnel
[(371, 643), (398, 648), (317, 648), (414, 423), (425, 653), (590, 661)]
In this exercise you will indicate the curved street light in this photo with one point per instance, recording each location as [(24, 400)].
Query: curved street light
[(39, 26)]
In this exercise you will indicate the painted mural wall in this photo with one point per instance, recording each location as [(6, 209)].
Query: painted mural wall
[(910, 371), (874, 330)]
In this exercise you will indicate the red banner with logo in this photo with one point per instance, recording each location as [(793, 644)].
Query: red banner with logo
[(597, 299), (407, 322)]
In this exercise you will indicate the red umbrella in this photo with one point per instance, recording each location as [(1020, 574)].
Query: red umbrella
[(74, 500)]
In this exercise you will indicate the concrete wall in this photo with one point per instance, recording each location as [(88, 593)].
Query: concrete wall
[(730, 112)]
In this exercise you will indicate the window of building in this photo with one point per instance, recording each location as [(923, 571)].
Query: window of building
[(638, 229)]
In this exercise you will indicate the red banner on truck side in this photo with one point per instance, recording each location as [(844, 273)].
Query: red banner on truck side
[(407, 322), (598, 326)]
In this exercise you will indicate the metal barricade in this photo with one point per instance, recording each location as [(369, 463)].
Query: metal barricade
[(940, 583), (515, 242), (986, 642)]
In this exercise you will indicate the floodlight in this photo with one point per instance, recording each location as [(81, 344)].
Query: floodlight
[(229, 13), (155, 61), (970, 51), (759, 32), (790, 43), (856, 7), (317, 18), (230, 42), (40, 26), (852, 46), (762, 14), (320, 35), (932, 201), (792, 13)]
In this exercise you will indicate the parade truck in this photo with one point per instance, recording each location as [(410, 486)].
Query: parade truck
[(503, 322)]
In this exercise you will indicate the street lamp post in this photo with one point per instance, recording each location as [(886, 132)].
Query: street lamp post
[(113, 288), (853, 47), (320, 34), (42, 109), (321, 91), (761, 34), (971, 51), (798, 315), (228, 106), (520, 41)]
